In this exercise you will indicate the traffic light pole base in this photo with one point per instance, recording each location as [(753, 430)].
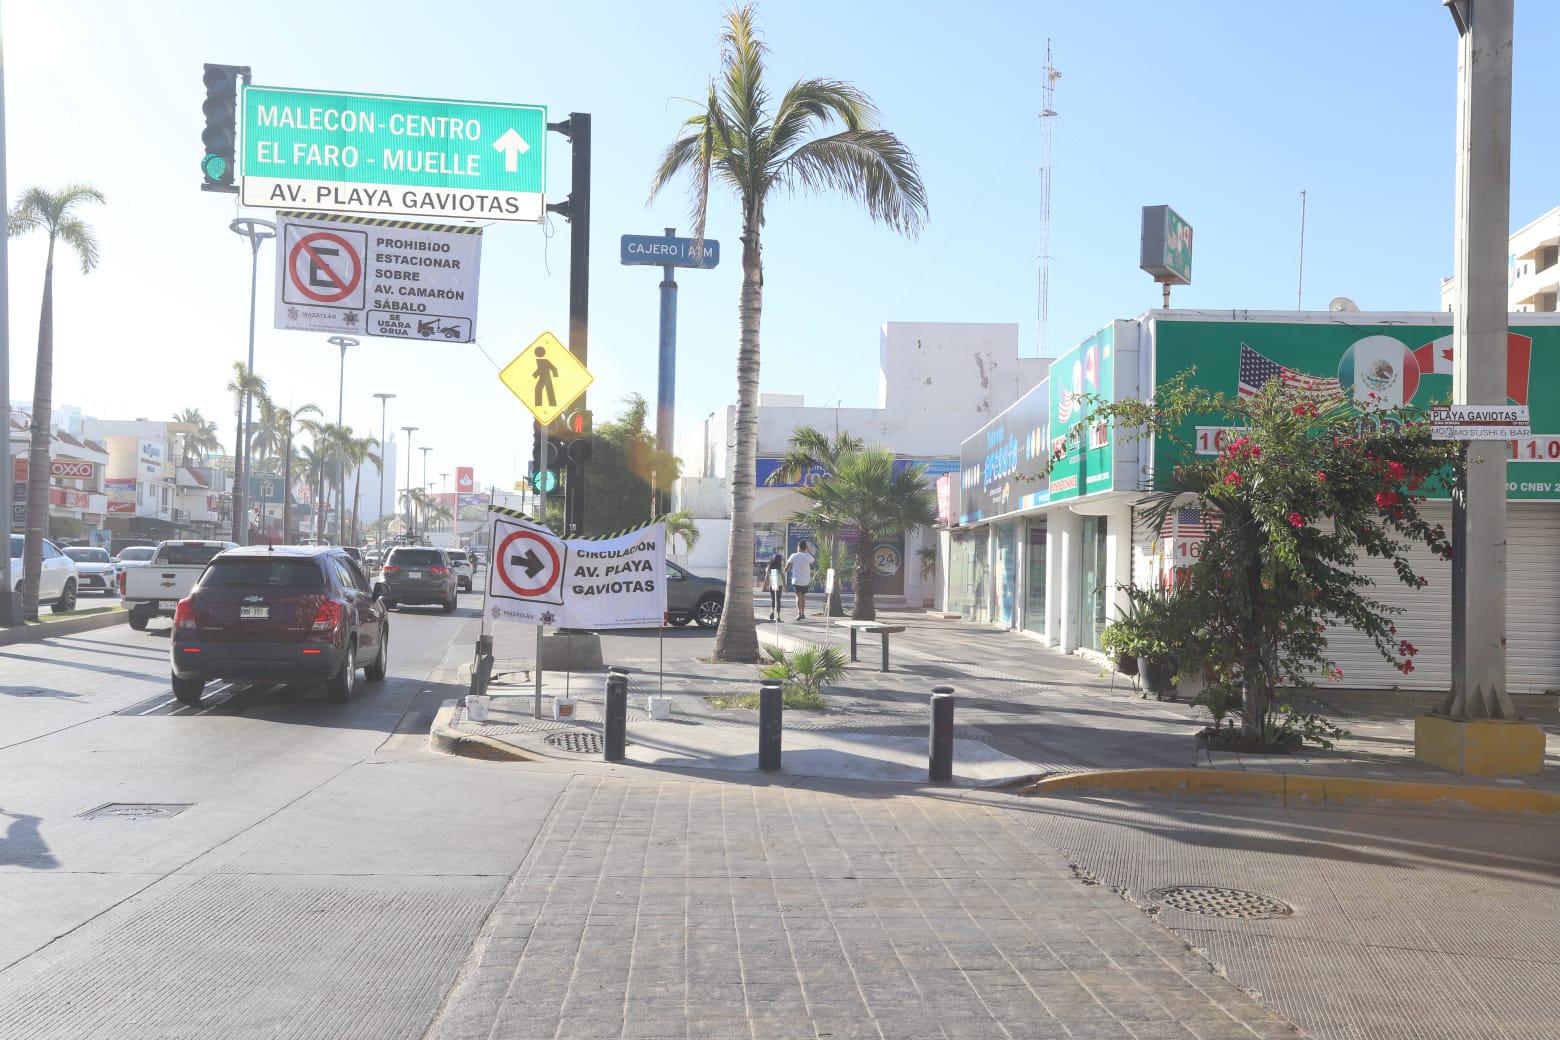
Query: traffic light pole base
[(1479, 747)]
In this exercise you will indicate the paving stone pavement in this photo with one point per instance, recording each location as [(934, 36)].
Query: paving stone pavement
[(656, 908)]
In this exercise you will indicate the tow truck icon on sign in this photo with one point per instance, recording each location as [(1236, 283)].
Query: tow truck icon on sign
[(426, 329)]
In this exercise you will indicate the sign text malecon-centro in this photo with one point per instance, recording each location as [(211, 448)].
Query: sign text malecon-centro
[(373, 153)]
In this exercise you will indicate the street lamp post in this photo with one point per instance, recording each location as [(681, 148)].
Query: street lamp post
[(10, 602), (384, 404), (411, 518), (256, 231), (341, 391), (425, 485)]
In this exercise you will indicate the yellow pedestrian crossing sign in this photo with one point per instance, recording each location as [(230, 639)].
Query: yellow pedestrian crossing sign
[(546, 378)]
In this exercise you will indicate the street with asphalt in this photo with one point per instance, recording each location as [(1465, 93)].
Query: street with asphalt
[(274, 864)]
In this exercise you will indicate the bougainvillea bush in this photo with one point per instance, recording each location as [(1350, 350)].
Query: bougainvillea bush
[(1304, 486)]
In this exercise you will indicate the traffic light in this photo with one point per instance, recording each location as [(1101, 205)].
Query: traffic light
[(219, 139), (555, 454)]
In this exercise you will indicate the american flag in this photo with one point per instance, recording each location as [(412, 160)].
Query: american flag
[(1256, 370), (1189, 523)]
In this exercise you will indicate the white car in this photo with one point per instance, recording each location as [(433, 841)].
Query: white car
[(95, 572), (133, 556), (57, 583), (464, 571)]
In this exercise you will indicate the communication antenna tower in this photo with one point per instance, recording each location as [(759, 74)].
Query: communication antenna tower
[(1047, 117)]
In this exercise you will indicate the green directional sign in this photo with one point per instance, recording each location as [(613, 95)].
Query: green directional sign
[(374, 153)]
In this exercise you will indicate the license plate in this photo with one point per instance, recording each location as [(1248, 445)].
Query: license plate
[(167, 604), (254, 612), (414, 574)]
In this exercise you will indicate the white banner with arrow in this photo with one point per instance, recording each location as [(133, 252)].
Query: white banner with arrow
[(537, 578)]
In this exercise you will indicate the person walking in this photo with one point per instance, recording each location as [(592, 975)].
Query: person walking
[(774, 582), (799, 567)]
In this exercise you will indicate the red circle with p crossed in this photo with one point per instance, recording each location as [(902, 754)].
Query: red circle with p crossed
[(344, 287), (501, 561)]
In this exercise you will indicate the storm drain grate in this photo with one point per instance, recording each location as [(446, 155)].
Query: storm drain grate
[(1221, 902), (578, 742), (136, 810)]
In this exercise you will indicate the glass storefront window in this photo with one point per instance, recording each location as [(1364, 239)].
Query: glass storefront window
[(1006, 577), (980, 585), (1034, 579), (1091, 591)]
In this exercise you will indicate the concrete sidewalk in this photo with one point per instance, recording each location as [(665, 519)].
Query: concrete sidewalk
[(1022, 710)]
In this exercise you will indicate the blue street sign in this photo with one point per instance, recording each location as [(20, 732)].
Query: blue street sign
[(666, 251)]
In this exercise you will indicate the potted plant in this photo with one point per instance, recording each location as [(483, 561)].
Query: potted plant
[(1122, 640), (1158, 638)]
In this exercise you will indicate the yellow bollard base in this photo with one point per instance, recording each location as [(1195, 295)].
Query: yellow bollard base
[(1479, 747)]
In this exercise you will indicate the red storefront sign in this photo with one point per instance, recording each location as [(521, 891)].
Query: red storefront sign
[(69, 499), (121, 507)]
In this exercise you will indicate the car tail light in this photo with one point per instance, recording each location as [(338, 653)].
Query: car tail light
[(389, 569), (184, 615), (439, 570), (327, 618), (121, 583)]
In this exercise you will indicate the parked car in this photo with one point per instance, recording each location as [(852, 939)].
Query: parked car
[(155, 589), (280, 613), (478, 558), (57, 582), (465, 570), (354, 552), (95, 570), (693, 597), (133, 556), (419, 574)]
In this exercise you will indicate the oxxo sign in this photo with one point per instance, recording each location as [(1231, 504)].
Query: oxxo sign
[(69, 469), (372, 153)]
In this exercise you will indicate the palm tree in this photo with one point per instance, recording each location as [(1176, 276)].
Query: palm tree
[(313, 459), (811, 451), (822, 135), (864, 492), (330, 442), (681, 527), (50, 211), (243, 385), (199, 439), (284, 420), (361, 451)]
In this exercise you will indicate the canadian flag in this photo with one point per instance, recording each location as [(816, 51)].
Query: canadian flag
[(1435, 358)]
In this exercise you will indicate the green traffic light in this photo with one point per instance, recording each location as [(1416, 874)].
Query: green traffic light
[(214, 166), (546, 481)]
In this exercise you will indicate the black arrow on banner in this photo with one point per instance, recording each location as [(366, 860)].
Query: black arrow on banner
[(530, 561)]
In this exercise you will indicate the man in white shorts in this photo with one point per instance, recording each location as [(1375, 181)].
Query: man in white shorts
[(799, 567)]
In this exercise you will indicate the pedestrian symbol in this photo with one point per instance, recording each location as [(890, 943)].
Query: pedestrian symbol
[(546, 378)]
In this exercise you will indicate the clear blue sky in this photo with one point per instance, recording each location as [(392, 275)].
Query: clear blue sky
[(1224, 110)]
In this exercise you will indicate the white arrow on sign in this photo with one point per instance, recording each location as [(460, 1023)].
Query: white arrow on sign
[(513, 146)]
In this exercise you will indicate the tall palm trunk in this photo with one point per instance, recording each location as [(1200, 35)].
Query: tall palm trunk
[(238, 473), (287, 486), (865, 607), (737, 637), (38, 452), (357, 490)]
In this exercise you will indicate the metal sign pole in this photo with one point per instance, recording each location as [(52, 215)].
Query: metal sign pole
[(10, 602), (666, 385), (541, 517)]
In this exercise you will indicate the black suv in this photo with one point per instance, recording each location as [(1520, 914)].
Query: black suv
[(415, 574)]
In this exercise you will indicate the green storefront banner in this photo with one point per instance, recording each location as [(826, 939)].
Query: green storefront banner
[(1086, 464), (1370, 365)]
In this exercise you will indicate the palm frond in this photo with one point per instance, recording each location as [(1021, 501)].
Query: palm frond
[(813, 104), (871, 166), (77, 234), (742, 69)]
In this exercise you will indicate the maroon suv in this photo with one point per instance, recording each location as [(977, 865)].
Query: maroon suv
[(294, 613)]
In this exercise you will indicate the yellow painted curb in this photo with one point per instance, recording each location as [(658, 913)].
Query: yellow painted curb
[(1302, 790)]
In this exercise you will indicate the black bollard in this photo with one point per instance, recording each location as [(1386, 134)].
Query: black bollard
[(939, 744), (617, 715), (769, 708)]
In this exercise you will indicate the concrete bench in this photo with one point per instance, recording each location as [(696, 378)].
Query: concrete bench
[(871, 628)]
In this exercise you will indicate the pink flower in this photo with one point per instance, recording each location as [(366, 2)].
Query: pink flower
[(1296, 521), (1232, 478), (1406, 648), (1300, 409), (1387, 499), (1395, 470), (1321, 478)]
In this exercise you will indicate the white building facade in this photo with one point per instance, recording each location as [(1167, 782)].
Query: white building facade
[(1532, 269)]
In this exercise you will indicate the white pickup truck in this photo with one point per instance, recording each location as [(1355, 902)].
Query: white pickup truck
[(155, 589)]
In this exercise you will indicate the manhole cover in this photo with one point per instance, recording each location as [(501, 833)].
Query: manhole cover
[(136, 811), (1220, 902), (578, 742)]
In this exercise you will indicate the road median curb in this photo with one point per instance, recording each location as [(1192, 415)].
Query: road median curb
[(1301, 791), (445, 739), (36, 633)]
